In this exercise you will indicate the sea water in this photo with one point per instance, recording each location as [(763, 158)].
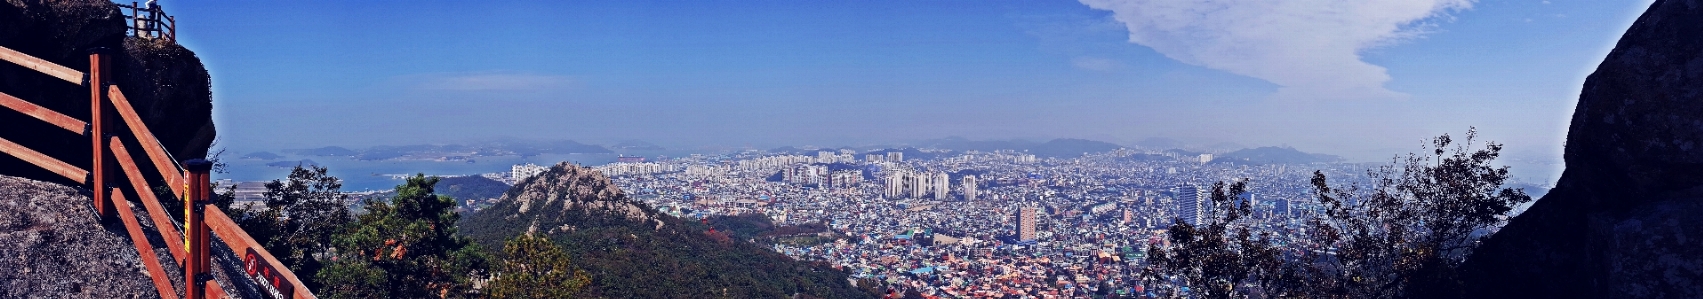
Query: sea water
[(361, 175)]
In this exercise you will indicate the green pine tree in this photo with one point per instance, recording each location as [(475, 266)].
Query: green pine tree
[(404, 248)]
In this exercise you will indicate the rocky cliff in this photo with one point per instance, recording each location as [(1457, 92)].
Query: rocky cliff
[(166, 84), (50, 246), (1626, 218)]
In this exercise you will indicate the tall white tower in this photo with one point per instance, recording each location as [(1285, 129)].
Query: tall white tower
[(969, 187), (942, 185)]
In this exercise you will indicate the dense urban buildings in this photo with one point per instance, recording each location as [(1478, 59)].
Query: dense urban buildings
[(976, 224)]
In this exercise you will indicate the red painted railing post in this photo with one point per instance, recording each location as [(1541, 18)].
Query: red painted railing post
[(195, 268), (98, 108)]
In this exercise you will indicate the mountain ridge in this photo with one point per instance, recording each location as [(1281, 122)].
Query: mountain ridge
[(633, 251), (1273, 155)]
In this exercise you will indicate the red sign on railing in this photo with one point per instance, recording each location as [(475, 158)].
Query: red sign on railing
[(262, 273)]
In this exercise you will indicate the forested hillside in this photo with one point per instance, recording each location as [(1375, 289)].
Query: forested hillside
[(631, 251)]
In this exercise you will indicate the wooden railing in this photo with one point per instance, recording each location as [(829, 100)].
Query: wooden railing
[(189, 181), (150, 22)]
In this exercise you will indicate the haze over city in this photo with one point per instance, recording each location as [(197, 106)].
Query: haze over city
[(902, 149), (764, 74)]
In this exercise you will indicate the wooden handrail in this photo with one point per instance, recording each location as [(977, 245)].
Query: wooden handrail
[(156, 152), (217, 223), (213, 290), (155, 24), (54, 165), (42, 113), (171, 34), (39, 65), (156, 212), (239, 241), (152, 262)]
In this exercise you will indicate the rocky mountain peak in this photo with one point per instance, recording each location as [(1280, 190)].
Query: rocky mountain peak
[(567, 186), (1624, 218)]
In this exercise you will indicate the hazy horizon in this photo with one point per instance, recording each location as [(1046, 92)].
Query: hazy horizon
[(1346, 78)]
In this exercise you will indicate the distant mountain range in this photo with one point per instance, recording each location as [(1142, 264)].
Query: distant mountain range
[(499, 148), (262, 156), (927, 149), (911, 153), (292, 164), (1071, 148), (1159, 143), (793, 150), (961, 144), (329, 151), (1162, 143), (635, 145), (1273, 155), (1056, 148)]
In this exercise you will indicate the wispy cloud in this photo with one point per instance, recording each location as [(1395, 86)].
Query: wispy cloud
[(1311, 48), (487, 81)]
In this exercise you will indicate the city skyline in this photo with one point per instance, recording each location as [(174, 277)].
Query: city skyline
[(835, 74), (773, 149)]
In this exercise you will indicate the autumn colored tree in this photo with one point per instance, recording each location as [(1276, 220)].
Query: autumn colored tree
[(535, 268)]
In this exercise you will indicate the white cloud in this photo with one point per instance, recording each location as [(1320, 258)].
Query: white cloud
[(1311, 48)]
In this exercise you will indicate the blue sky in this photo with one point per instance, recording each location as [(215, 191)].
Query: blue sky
[(1355, 78)]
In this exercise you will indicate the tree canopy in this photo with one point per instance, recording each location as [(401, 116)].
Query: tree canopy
[(533, 267), (300, 215), (1402, 236), (404, 248)]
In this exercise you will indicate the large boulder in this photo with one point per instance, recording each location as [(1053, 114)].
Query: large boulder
[(166, 84), (52, 247), (1626, 218)]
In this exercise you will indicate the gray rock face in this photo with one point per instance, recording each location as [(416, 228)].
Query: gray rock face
[(1626, 218), (565, 184), (51, 247), (166, 84)]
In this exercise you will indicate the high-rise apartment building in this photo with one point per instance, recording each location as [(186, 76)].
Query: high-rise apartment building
[(942, 185), (896, 180), (845, 179), (1026, 223), (522, 171), (1186, 199), (969, 187), (918, 185)]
